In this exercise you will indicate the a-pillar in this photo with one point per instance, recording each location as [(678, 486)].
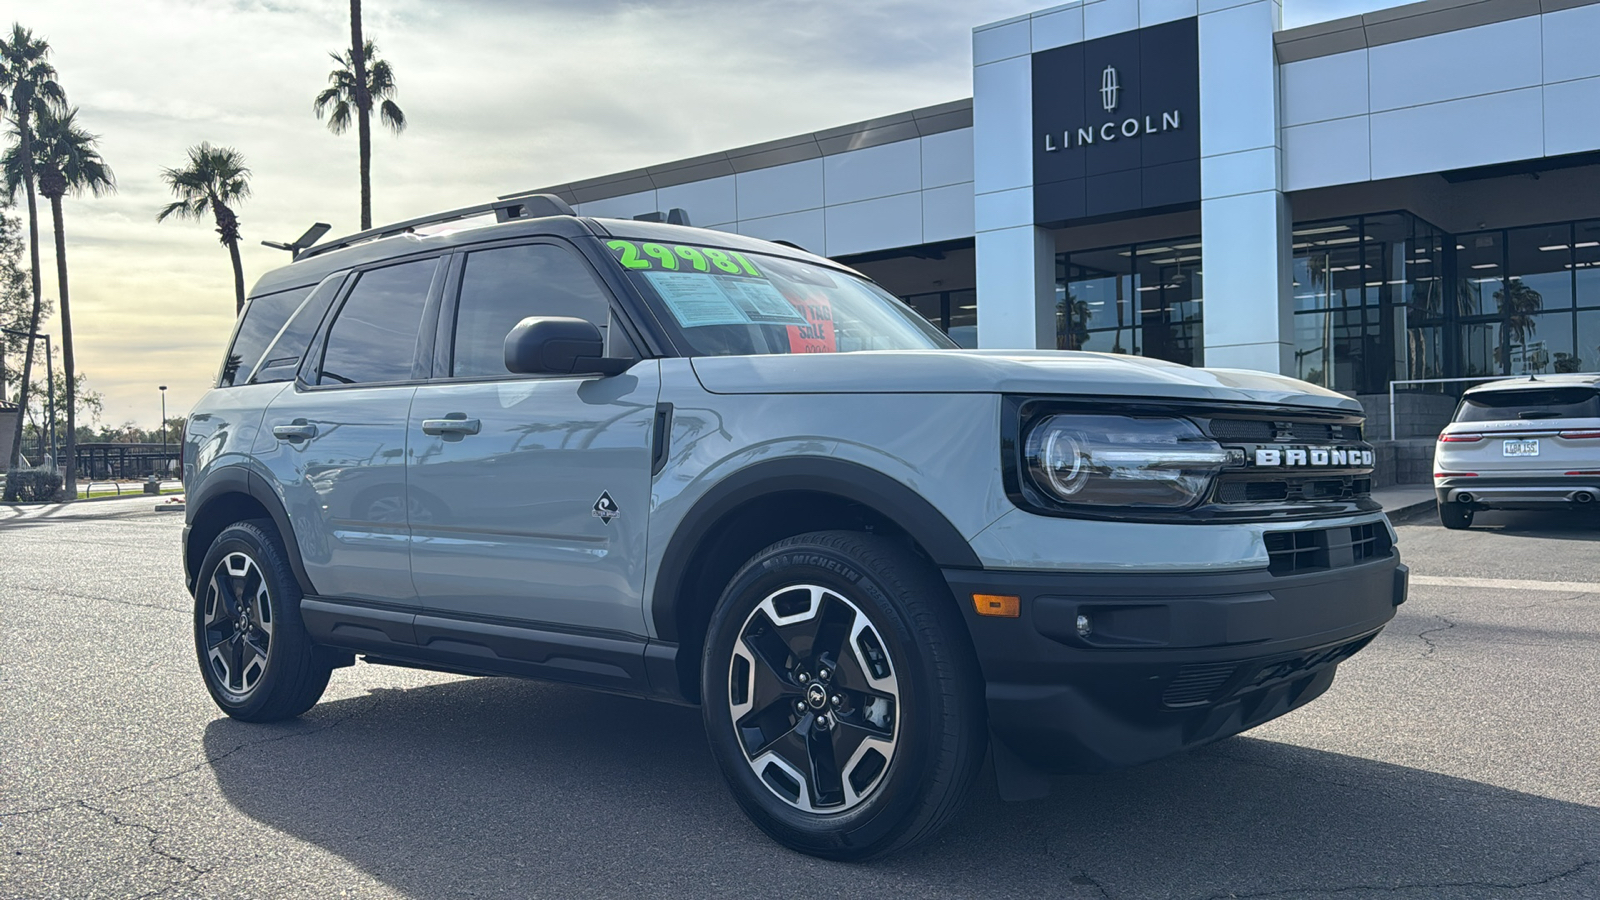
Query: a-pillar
[(1245, 220), (1016, 271)]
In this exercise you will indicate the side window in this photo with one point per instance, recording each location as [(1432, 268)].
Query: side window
[(503, 286), (374, 336), (282, 358), (263, 317)]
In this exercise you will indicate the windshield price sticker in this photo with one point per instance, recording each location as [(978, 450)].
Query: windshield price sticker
[(681, 257), (697, 300)]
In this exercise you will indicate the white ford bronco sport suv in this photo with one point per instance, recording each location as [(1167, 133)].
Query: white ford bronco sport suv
[(700, 468)]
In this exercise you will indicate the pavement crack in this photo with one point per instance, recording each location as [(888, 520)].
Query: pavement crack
[(170, 776), (1414, 886), (56, 592), (156, 834), (1423, 635), (1085, 879)]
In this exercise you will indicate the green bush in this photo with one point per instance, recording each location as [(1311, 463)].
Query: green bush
[(33, 485)]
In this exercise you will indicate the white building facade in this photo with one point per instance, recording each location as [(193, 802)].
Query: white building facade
[(1409, 194)]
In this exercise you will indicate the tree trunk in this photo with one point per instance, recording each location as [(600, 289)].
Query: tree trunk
[(228, 228), (69, 474), (238, 277), (25, 150), (358, 58)]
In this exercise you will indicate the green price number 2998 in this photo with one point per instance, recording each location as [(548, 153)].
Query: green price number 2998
[(674, 256)]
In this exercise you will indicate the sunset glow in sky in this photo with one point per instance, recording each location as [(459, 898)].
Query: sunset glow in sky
[(500, 95)]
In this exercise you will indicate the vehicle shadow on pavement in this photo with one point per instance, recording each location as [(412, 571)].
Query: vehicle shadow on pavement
[(495, 787), (1563, 524)]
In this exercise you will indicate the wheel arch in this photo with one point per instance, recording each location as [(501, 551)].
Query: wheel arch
[(235, 494), (764, 503)]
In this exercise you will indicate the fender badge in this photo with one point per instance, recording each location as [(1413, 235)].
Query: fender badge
[(605, 509)]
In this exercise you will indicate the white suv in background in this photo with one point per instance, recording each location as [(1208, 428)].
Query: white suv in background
[(1525, 443)]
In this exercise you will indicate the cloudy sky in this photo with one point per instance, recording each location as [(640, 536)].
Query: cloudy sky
[(501, 95)]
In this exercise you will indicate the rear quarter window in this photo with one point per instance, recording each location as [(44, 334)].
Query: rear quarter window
[(264, 316), (1530, 404)]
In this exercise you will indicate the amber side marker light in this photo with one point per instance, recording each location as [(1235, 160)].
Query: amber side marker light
[(1001, 605)]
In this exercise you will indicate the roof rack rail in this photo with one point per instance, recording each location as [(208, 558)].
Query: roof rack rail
[(533, 206)]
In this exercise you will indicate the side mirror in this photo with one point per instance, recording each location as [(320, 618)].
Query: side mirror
[(558, 345)]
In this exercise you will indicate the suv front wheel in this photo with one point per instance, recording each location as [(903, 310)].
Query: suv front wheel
[(259, 664), (841, 695)]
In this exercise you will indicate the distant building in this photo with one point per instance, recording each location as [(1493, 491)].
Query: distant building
[(1412, 193)]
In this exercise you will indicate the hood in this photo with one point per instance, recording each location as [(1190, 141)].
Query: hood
[(1057, 372)]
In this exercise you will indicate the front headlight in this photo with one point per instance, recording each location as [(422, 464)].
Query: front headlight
[(1103, 460)]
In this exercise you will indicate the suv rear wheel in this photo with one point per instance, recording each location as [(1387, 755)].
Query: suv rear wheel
[(841, 695), (258, 662), (1455, 516)]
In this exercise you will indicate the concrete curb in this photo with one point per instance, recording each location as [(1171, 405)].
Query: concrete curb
[(1413, 508)]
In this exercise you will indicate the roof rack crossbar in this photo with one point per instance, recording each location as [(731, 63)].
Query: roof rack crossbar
[(530, 207)]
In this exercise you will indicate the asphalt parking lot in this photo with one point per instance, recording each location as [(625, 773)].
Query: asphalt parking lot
[(1458, 756)]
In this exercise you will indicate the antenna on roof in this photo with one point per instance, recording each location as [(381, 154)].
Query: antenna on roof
[(673, 216), (303, 241)]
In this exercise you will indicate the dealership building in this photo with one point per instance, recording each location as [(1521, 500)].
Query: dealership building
[(1409, 194)]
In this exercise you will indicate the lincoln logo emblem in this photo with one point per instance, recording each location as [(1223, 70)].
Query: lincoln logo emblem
[(1109, 88)]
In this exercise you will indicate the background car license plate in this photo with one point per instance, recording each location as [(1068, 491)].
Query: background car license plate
[(1520, 448)]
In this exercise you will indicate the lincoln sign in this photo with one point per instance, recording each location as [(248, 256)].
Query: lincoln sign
[(1116, 125)]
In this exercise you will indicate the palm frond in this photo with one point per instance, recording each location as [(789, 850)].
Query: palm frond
[(392, 116)]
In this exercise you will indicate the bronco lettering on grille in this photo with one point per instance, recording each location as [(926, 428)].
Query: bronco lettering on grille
[(1313, 456)]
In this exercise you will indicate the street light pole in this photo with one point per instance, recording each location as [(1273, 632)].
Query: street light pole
[(163, 425)]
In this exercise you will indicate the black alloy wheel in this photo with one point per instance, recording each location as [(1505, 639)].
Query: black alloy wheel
[(814, 698), (258, 663), (841, 694)]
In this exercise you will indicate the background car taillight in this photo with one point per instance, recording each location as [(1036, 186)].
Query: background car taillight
[(1580, 435), (1460, 438)]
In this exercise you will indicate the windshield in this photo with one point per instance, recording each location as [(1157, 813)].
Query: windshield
[(730, 303), (1530, 403)]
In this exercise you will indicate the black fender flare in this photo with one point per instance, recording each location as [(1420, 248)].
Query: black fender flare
[(817, 474), (238, 479)]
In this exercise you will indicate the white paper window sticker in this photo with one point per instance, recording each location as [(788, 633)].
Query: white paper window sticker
[(759, 300), (695, 300)]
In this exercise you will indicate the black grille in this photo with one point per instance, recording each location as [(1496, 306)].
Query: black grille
[(1241, 430), (1252, 491), (1237, 490), (1196, 685), (1263, 431), (1317, 549), (1369, 541)]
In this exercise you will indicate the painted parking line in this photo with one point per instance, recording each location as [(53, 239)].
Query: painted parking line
[(1508, 584)]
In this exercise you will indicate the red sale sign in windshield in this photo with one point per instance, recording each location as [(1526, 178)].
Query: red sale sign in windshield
[(816, 336)]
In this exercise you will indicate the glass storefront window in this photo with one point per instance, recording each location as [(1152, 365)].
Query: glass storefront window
[(1144, 299), (962, 324), (953, 312), (1365, 289)]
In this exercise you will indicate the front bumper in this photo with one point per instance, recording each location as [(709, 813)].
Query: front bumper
[(1170, 661), (1518, 491)]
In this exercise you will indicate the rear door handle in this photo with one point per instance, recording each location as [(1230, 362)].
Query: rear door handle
[(455, 423), (298, 430)]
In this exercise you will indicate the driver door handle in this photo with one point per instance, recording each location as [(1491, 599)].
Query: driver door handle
[(298, 430), (455, 423)]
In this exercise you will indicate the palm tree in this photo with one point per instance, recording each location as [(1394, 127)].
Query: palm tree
[(67, 162), (341, 102), (31, 79), (215, 177)]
